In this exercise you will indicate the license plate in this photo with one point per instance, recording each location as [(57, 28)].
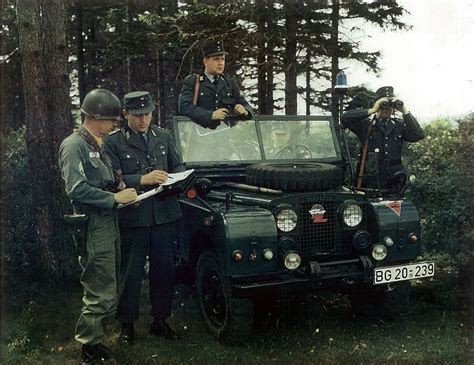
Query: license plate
[(384, 275)]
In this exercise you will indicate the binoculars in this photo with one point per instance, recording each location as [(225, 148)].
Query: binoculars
[(391, 104)]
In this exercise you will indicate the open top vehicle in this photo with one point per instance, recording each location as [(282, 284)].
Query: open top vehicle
[(269, 215)]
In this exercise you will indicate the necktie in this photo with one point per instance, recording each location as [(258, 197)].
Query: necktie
[(143, 139), (216, 80)]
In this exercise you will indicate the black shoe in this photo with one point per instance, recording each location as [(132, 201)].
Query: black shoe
[(160, 328), (95, 354), (127, 335)]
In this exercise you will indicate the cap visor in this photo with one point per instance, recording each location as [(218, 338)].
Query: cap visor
[(216, 54), (144, 110)]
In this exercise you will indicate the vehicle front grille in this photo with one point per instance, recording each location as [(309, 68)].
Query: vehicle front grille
[(320, 238)]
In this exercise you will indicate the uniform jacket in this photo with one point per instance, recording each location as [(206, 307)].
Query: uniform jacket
[(85, 170), (385, 145), (225, 94), (131, 159)]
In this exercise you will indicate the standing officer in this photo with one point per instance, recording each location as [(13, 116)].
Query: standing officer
[(210, 98), (142, 154), (87, 172), (382, 138)]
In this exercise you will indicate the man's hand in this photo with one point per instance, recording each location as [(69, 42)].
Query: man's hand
[(403, 108), (376, 107), (220, 114), (154, 178), (239, 109), (125, 196)]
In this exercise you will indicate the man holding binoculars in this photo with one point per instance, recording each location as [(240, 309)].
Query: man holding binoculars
[(382, 137)]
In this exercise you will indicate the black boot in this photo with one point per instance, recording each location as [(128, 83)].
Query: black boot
[(95, 354), (160, 328), (127, 335)]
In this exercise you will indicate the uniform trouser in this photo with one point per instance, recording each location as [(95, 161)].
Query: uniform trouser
[(137, 242), (99, 277)]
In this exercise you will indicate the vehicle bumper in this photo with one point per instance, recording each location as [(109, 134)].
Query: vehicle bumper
[(314, 275)]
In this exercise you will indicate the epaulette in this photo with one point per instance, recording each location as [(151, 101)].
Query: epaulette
[(154, 128), (114, 131), (201, 77)]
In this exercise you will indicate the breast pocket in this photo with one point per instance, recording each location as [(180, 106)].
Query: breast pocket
[(159, 158), (96, 171), (129, 163)]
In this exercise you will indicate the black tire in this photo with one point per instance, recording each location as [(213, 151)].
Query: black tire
[(225, 316), (297, 176), (384, 301)]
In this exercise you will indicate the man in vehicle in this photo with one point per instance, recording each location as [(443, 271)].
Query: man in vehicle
[(382, 137), (88, 177), (212, 97), (143, 154)]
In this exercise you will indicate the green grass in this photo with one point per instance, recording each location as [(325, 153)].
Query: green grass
[(437, 329)]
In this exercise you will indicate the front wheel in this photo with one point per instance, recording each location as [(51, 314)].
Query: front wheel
[(225, 316)]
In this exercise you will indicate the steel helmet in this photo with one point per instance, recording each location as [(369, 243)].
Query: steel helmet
[(101, 104)]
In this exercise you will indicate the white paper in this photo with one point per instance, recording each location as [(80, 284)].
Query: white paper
[(172, 179)]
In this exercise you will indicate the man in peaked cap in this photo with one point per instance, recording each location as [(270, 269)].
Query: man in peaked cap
[(384, 136), (143, 154), (212, 97)]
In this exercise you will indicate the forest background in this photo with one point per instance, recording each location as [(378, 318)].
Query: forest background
[(55, 51)]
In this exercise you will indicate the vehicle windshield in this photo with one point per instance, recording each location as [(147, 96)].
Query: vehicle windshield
[(258, 140)]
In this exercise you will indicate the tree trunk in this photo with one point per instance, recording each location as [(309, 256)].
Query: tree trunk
[(308, 82), (43, 48), (334, 56), (291, 26), (81, 79), (261, 69)]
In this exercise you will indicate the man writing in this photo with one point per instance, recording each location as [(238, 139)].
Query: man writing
[(87, 174), (382, 137), (143, 154), (210, 98)]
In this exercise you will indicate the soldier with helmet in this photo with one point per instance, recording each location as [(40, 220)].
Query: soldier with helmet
[(382, 137), (212, 97), (94, 192)]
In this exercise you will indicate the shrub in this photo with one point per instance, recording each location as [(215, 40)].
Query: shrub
[(443, 191)]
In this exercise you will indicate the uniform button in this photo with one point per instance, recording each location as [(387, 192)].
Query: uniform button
[(376, 150), (386, 137), (386, 145)]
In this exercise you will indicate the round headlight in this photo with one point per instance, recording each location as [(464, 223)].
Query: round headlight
[(292, 261), (352, 215), (286, 220), (379, 252)]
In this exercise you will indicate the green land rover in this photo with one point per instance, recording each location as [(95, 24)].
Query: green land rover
[(270, 215)]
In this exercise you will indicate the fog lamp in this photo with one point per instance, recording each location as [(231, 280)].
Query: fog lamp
[(268, 254), (388, 241), (292, 260), (379, 252)]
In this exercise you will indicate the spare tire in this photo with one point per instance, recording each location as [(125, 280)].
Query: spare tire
[(296, 176)]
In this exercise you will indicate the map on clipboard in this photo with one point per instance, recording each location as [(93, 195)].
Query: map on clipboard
[(176, 183)]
